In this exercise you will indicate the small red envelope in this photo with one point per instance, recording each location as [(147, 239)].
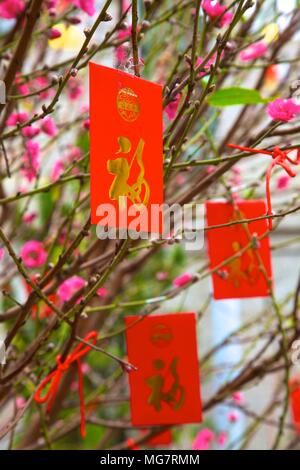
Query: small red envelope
[(126, 148), (165, 388), (241, 277), (295, 402), (164, 438)]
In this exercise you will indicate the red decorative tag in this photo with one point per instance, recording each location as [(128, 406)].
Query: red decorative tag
[(242, 276), (295, 402), (126, 149), (165, 388)]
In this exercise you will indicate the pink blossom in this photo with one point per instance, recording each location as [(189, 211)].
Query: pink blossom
[(57, 170), (226, 19), (84, 108), (214, 9), (43, 82), (86, 124), (17, 118), (88, 6), (222, 438), (51, 4), (20, 402), (102, 292), (210, 169), (182, 280), (10, 9), (171, 108), (85, 368), (121, 50), (283, 110), (30, 131), (31, 160), (75, 89), (33, 254), (49, 127), (206, 67), (23, 89), (162, 275), (54, 33), (29, 217), (258, 49), (1, 253), (238, 398), (282, 182), (203, 439), (233, 416), (69, 287), (73, 154)]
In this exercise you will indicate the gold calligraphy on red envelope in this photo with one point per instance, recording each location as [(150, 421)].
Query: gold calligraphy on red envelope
[(126, 152), (165, 388), (248, 274)]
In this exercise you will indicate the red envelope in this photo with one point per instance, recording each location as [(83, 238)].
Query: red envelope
[(126, 148), (295, 402), (241, 277), (165, 389)]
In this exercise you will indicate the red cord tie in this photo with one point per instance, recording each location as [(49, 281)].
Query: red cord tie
[(281, 158), (55, 377)]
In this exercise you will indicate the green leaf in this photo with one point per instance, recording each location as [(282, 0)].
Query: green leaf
[(235, 96)]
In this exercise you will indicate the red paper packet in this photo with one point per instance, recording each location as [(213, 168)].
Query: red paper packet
[(165, 389), (295, 402), (126, 147), (241, 277)]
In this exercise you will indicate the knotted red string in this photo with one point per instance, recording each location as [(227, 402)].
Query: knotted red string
[(55, 377), (281, 158)]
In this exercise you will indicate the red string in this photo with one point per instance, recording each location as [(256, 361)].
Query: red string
[(55, 377), (281, 158)]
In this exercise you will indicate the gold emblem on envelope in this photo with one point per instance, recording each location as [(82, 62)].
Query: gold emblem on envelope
[(128, 104)]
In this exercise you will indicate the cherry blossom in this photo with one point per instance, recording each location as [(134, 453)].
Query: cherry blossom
[(69, 287), (171, 108), (182, 280), (57, 170), (282, 182), (10, 9), (49, 127), (31, 160), (17, 118), (283, 109), (203, 439), (214, 9), (258, 49), (33, 254)]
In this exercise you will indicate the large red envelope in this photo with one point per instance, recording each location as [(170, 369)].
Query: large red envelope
[(241, 277), (295, 402), (165, 389), (126, 146)]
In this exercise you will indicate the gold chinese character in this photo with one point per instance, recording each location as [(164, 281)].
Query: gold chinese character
[(174, 395)]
